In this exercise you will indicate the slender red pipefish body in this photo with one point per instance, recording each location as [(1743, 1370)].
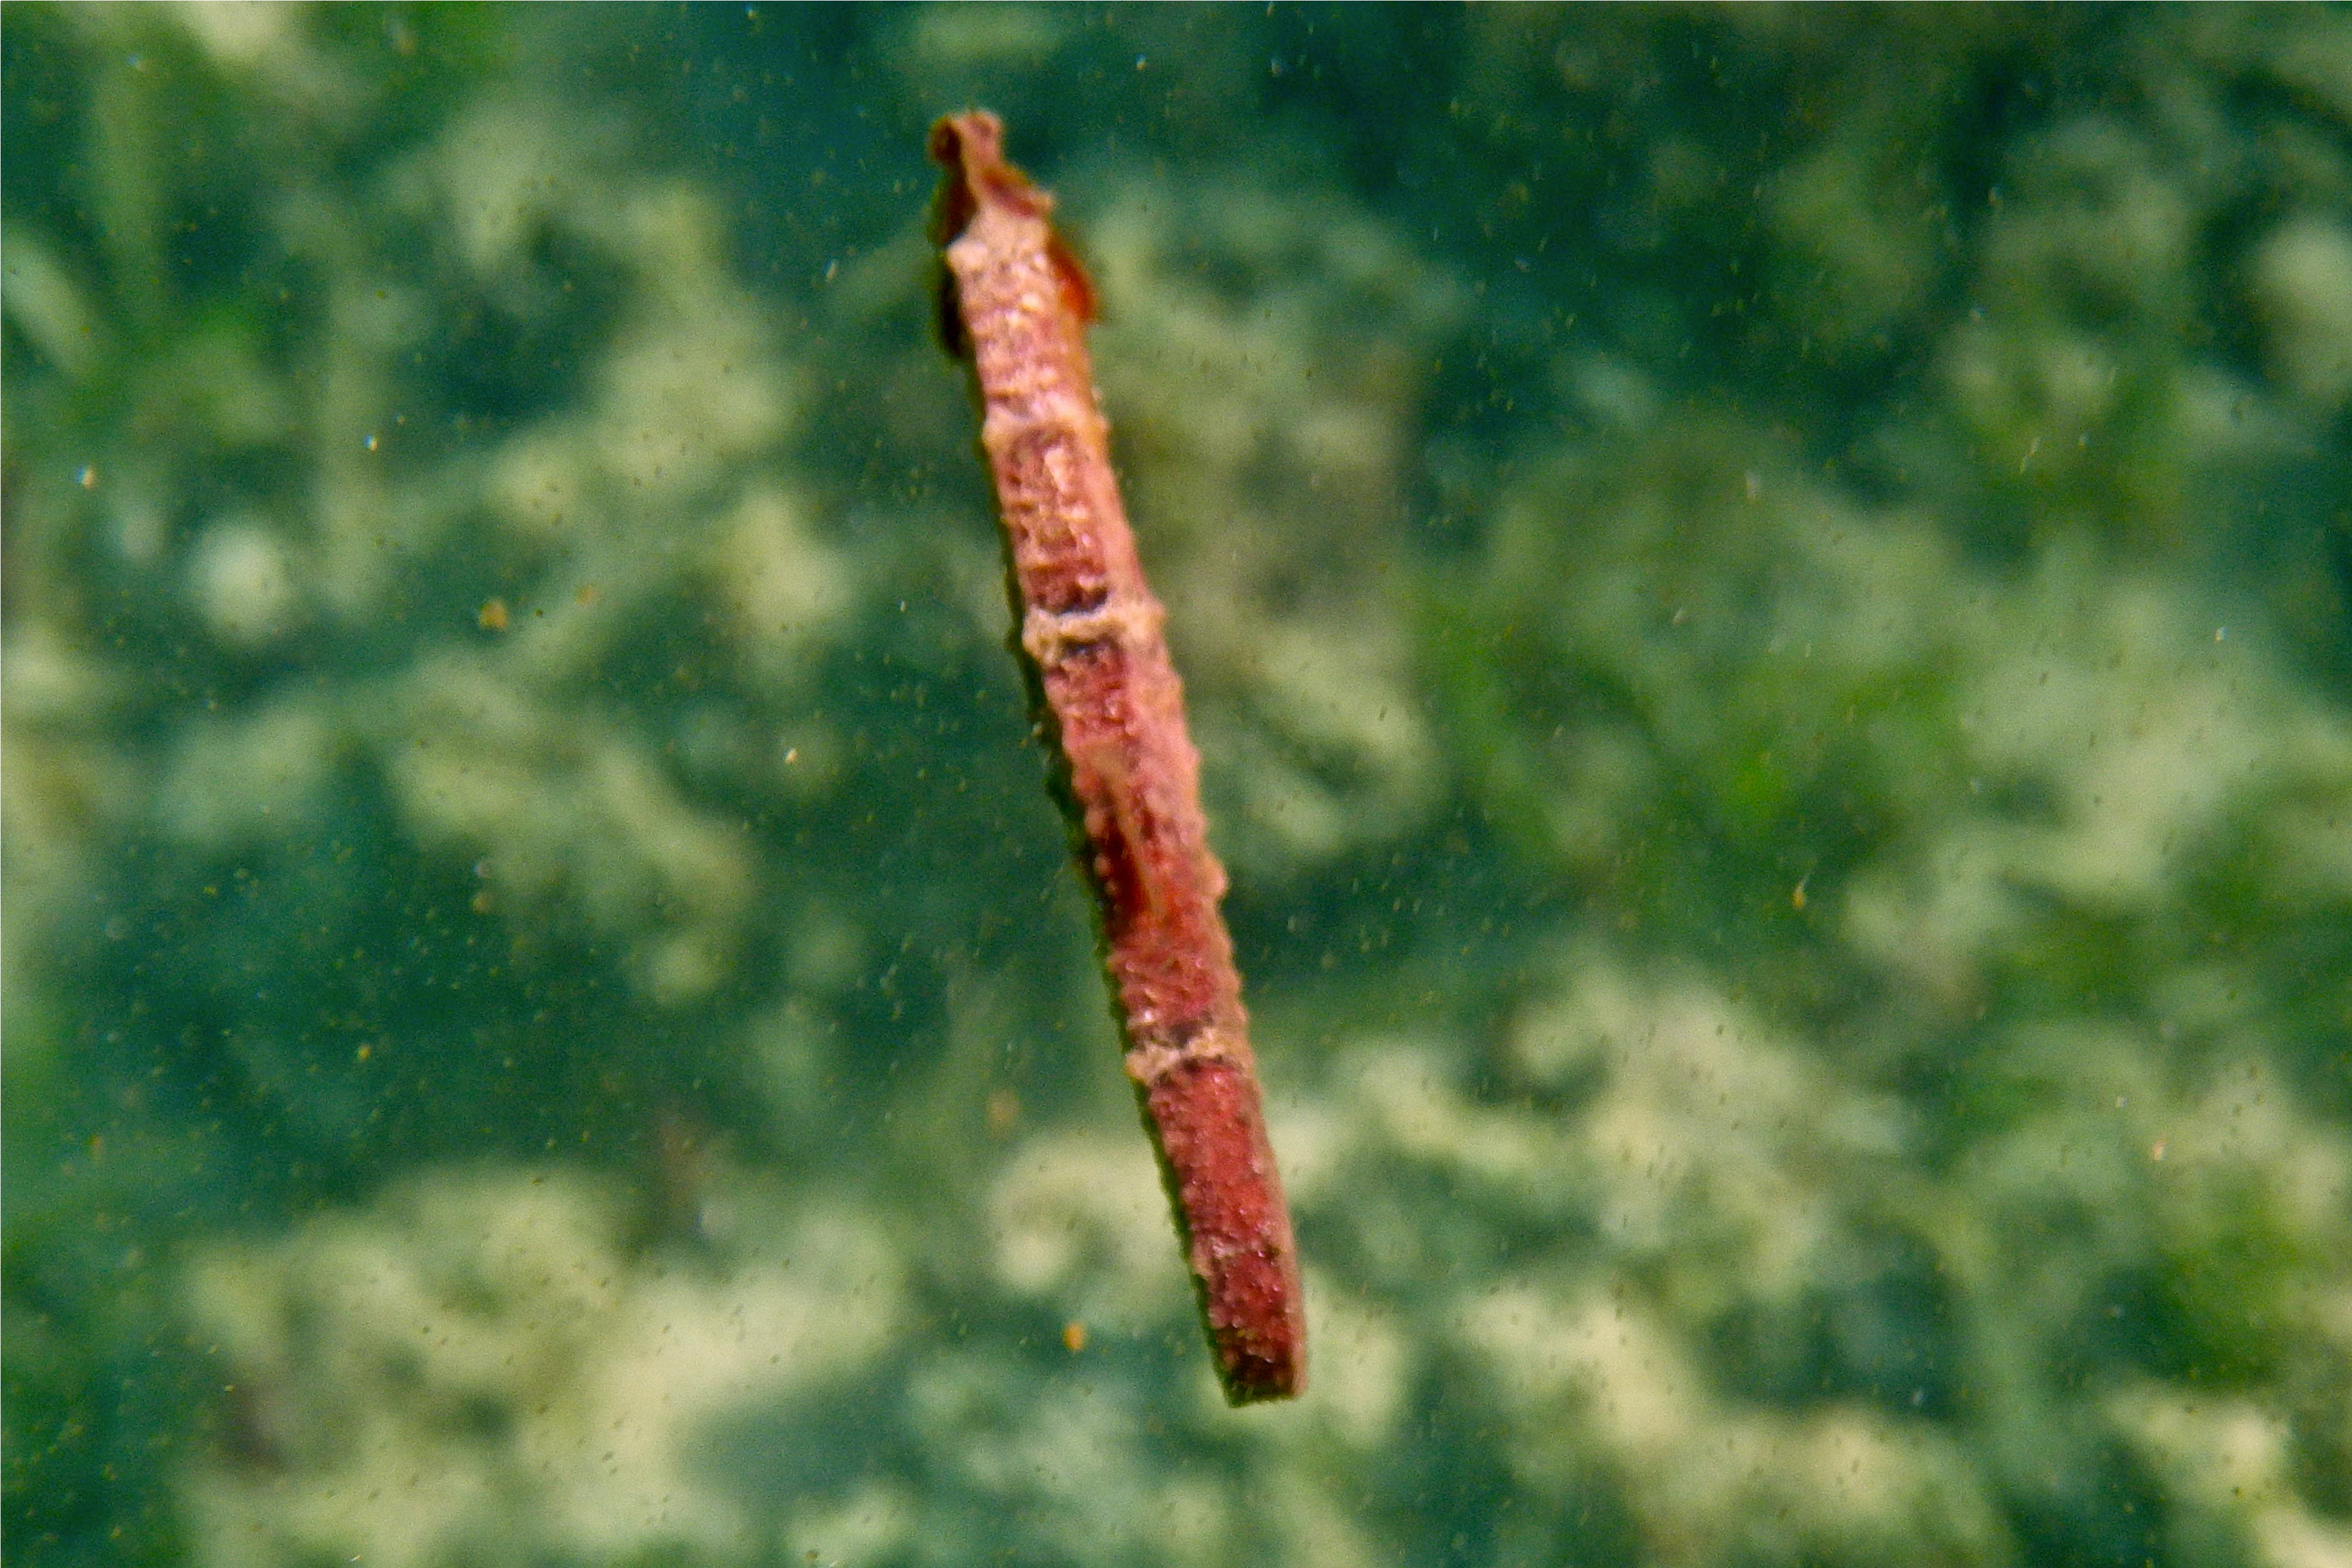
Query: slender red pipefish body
[(1090, 628)]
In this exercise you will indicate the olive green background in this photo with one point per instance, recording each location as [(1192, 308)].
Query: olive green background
[(1764, 594)]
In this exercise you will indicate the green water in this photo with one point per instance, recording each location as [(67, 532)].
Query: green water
[(1764, 596)]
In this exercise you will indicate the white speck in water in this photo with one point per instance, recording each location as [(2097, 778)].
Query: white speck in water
[(368, 441)]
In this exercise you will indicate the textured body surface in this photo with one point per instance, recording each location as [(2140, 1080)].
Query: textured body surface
[(1091, 625)]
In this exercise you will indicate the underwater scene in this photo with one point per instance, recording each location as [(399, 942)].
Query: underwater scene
[(1765, 596)]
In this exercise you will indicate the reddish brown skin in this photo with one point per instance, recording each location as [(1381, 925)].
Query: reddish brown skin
[(1091, 628)]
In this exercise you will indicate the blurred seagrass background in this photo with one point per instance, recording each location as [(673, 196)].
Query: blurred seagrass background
[(1768, 601)]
